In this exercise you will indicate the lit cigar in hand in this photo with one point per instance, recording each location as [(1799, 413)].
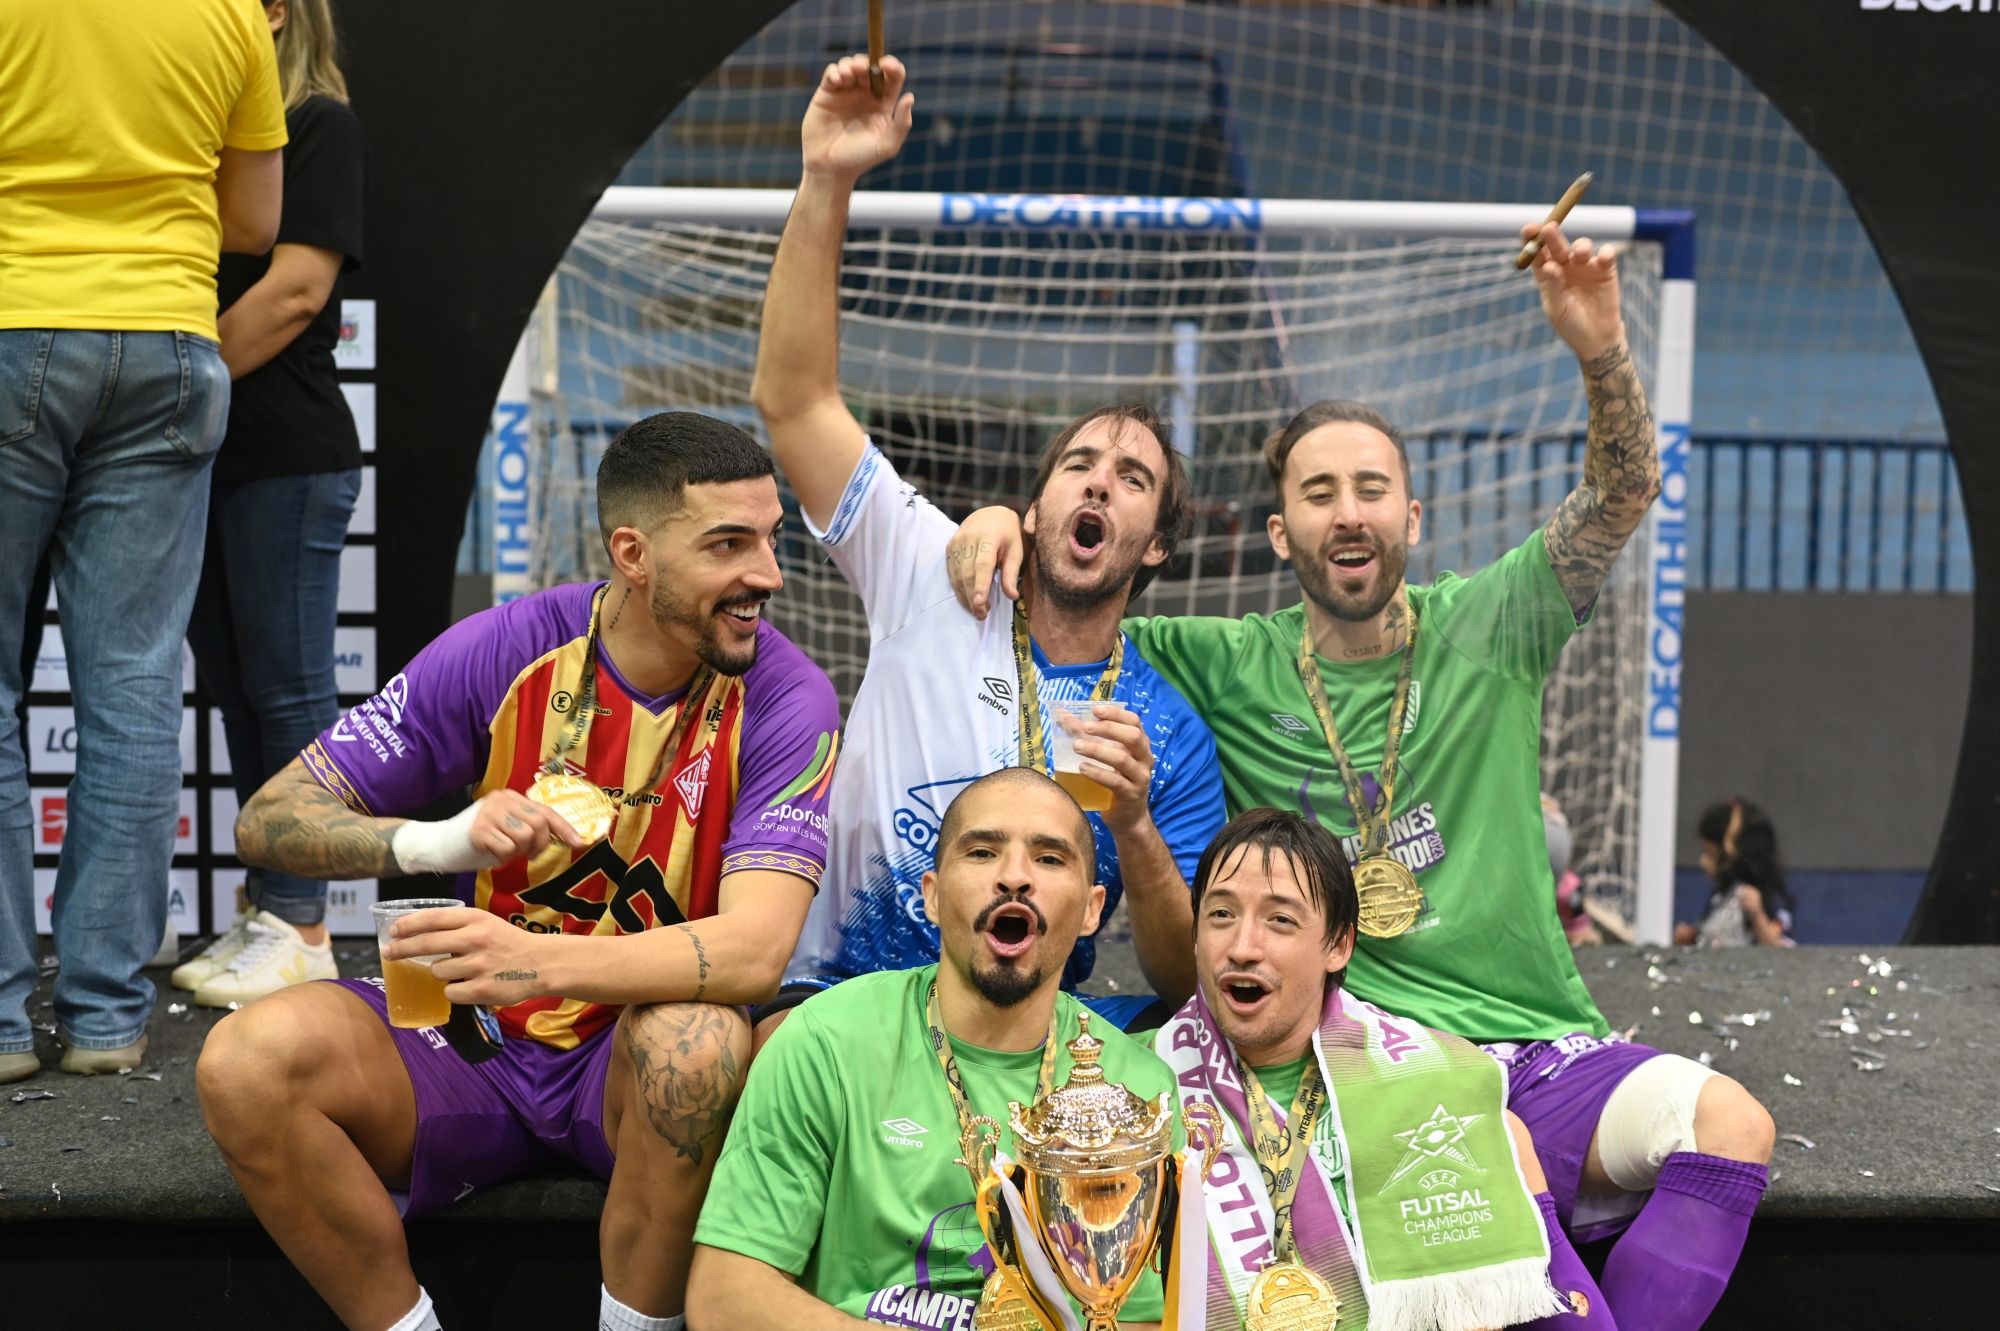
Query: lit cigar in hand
[(1556, 215)]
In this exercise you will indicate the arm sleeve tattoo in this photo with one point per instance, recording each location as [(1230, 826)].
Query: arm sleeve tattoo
[(297, 825), (1621, 478)]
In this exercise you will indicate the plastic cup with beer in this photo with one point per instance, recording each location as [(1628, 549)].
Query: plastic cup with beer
[(1068, 763), (416, 997)]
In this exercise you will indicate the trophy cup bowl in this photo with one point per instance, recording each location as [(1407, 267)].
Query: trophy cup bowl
[(1096, 1165)]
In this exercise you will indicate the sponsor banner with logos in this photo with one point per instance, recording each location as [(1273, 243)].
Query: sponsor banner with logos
[(356, 348), (52, 740), (51, 809), (51, 673), (183, 889)]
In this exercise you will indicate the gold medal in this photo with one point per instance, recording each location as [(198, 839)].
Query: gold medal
[(1003, 1307), (1390, 897), (1286, 1296), (583, 806)]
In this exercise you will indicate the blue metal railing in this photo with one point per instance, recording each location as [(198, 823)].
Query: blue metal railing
[(1764, 514)]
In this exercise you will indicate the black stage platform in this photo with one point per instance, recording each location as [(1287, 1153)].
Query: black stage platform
[(1882, 1070)]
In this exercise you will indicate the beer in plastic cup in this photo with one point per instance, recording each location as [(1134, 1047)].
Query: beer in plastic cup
[(1068, 764), (416, 997)]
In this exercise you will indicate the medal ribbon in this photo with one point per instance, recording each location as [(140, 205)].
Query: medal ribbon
[(954, 1083), (1030, 743), (586, 705), (1282, 1157), (1371, 823)]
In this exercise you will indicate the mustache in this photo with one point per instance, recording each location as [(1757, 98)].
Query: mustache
[(985, 917)]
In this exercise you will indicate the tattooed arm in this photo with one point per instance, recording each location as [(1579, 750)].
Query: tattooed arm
[(737, 956), (295, 824), (1621, 466), (1621, 478)]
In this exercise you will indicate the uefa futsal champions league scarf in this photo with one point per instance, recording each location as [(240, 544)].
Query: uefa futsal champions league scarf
[(1413, 1209)]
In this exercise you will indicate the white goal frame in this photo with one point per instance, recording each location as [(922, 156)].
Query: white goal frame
[(1663, 543)]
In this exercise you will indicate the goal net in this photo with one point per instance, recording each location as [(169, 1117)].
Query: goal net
[(975, 326)]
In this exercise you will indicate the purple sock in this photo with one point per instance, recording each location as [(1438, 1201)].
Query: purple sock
[(1588, 1307), (1669, 1270)]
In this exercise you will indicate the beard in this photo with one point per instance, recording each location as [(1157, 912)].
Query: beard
[(1004, 986), (672, 611), (1083, 589), (1316, 581)]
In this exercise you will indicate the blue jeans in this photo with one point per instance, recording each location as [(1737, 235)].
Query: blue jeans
[(105, 444), (262, 634)]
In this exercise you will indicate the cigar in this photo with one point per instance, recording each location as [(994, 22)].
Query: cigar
[(875, 47), (1556, 214)]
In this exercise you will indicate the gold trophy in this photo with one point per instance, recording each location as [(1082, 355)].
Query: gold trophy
[(1097, 1177)]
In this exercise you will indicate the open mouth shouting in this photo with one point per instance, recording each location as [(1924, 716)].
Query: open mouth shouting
[(1088, 535), (1010, 927), (1245, 994)]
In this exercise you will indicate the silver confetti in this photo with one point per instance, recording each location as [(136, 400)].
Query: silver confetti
[(1790, 1080), (1865, 1063), (131, 1100), (1798, 1139), (1747, 1018), (1990, 1187), (108, 1118), (22, 1097), (1707, 1057), (175, 1009), (1866, 1173), (56, 1190), (5, 1142), (150, 1076), (1694, 1019)]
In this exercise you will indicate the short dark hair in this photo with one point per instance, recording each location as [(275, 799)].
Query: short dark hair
[(643, 474), (1331, 411), (1175, 516), (953, 817), (1315, 856)]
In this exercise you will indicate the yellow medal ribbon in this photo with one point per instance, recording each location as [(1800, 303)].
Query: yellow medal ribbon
[(1030, 743), (1389, 896)]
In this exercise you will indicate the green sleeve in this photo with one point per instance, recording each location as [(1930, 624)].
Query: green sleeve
[(768, 1197), (1511, 616), (1191, 651)]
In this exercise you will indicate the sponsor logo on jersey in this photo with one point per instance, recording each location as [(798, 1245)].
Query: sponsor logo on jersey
[(903, 1131), (997, 693), (692, 782)]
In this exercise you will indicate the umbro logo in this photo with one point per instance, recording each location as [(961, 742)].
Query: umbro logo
[(998, 694), (903, 1131), (1284, 723)]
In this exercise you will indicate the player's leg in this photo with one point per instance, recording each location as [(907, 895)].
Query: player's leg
[(1702, 1143), (1571, 1278), (670, 1084), (315, 1113)]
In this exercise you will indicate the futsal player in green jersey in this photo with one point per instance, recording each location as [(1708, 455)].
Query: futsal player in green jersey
[(1407, 720), (840, 1194)]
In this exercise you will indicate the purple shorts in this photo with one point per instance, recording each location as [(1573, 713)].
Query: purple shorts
[(1558, 1087), (482, 1124)]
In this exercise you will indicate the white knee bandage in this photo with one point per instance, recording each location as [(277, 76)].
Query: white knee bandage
[(1649, 1117)]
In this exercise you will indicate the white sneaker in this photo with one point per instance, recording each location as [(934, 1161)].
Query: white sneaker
[(215, 958), (170, 946), (274, 957)]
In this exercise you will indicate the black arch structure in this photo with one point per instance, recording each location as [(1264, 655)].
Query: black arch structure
[(468, 100)]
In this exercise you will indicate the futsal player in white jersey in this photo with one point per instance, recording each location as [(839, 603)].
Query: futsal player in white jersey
[(947, 698)]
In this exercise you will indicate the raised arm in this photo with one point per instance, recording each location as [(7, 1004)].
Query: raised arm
[(1621, 465), (814, 437)]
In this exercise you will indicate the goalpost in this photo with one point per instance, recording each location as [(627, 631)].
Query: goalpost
[(974, 325)]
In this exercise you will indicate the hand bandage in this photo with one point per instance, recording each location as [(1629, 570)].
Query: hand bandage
[(444, 847)]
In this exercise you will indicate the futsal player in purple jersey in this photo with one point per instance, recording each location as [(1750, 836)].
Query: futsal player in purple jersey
[(617, 963)]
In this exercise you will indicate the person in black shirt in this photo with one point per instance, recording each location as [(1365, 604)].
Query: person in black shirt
[(285, 486)]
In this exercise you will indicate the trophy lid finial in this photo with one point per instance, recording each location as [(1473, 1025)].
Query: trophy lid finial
[(1089, 1119)]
